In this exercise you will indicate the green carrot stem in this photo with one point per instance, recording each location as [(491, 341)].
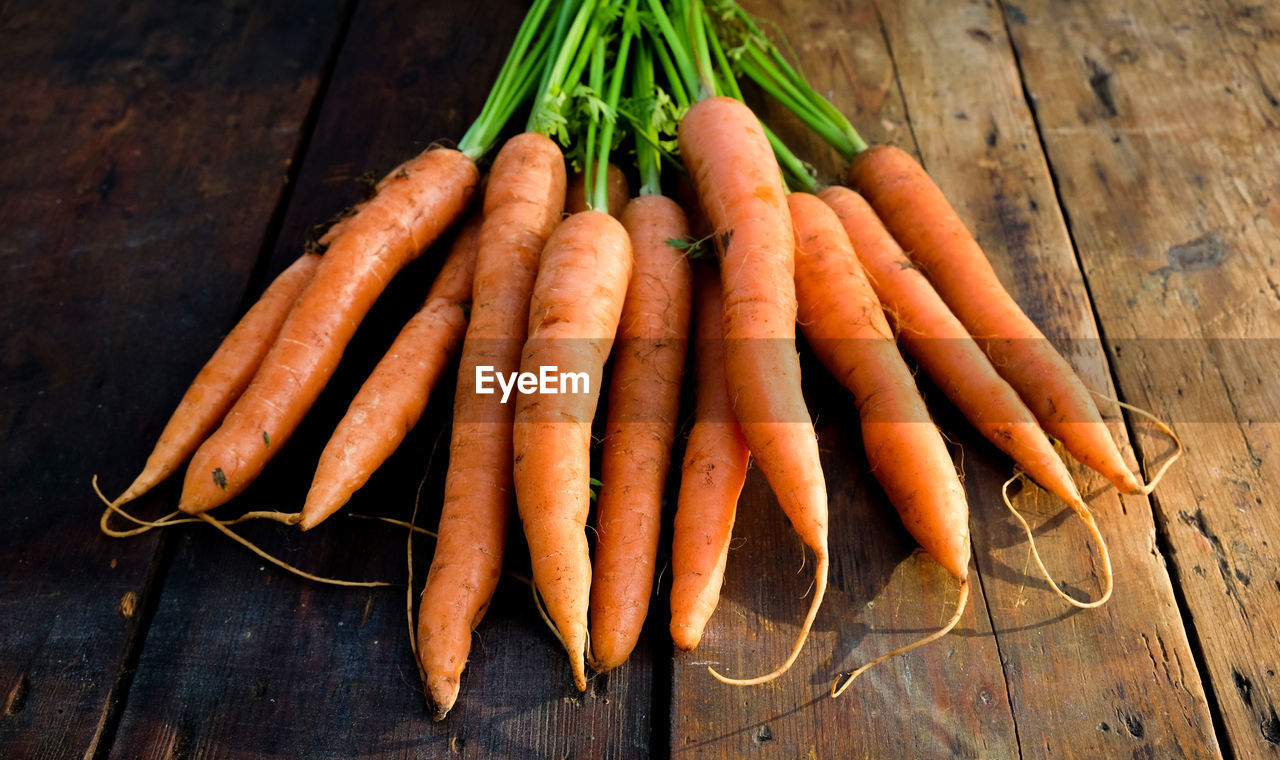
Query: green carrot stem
[(546, 117), (595, 81), (794, 171), (679, 51), (648, 155), (510, 88), (599, 198), (674, 82)]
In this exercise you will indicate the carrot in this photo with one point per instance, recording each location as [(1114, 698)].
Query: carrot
[(522, 205), (715, 467), (944, 349), (577, 303), (733, 168), (918, 215), (392, 400), (414, 205), (644, 400), (846, 326), (221, 381), (575, 198)]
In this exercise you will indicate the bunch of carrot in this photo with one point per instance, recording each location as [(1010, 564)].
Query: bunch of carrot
[(525, 288)]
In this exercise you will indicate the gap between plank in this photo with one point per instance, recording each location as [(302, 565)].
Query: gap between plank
[(1162, 541), (103, 739), (271, 234)]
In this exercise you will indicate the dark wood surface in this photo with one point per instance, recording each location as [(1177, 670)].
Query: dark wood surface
[(1117, 160)]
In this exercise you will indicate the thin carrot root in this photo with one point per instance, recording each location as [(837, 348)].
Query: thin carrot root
[(113, 508), (171, 519), (1163, 427), (820, 590), (1087, 518), (542, 613), (222, 526), (838, 688)]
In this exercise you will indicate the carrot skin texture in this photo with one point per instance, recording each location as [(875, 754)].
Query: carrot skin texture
[(644, 402), (740, 188), (711, 479), (573, 318), (846, 326), (390, 402), (757, 281), (575, 197), (414, 205), (945, 350), (914, 209), (224, 377), (522, 205)]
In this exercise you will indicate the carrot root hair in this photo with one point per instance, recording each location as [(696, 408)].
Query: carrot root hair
[(113, 508), (542, 612), (221, 526), (838, 688), (171, 519), (1163, 427), (1087, 518), (820, 590)]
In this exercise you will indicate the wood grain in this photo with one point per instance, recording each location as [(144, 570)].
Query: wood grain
[(1160, 120), (1118, 161), (133, 212), (1098, 683), (945, 700)]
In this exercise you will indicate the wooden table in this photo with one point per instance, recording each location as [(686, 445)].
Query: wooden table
[(1118, 161)]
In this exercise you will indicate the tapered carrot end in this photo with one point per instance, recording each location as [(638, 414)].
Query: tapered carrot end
[(685, 636), (206, 486), (577, 665), (313, 514), (1085, 516), (603, 664), (820, 590), (143, 483), (190, 506), (1131, 485), (444, 693), (842, 683)]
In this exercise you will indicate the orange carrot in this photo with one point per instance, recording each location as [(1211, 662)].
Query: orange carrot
[(522, 206), (577, 302), (918, 215), (928, 329), (392, 400), (715, 467), (414, 205), (575, 198), (644, 400), (740, 188), (221, 381), (846, 326)]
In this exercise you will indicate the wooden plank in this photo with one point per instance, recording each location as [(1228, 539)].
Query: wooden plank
[(248, 660), (946, 700), (134, 211), (1160, 121), (1100, 683)]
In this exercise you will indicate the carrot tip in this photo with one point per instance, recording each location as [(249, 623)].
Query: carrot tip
[(838, 688), (1087, 518), (444, 693), (1163, 427), (820, 591)]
